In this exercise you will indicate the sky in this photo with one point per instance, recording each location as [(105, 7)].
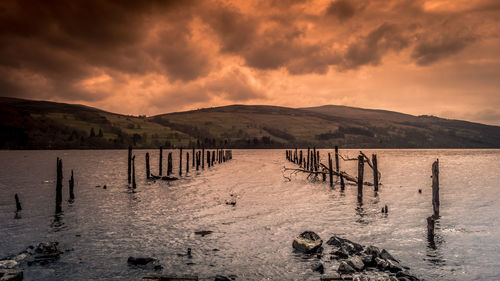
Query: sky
[(150, 57)]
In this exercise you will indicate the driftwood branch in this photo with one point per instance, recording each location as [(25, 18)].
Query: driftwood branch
[(325, 171)]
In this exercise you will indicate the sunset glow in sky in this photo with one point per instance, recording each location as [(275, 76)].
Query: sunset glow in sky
[(149, 57)]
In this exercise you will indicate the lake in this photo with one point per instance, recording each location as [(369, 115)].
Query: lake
[(253, 239)]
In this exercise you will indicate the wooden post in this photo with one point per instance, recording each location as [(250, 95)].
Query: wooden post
[(59, 185), (375, 172), (71, 187), (180, 162), (300, 159), (187, 162), (342, 184), (169, 164), (197, 160), (296, 157), (308, 157), (129, 164), (148, 172), (430, 228), (317, 161), (213, 157), (203, 158), (18, 204), (134, 185), (208, 159), (314, 168), (361, 165), (435, 188), (193, 156), (330, 169), (337, 168), (160, 164)]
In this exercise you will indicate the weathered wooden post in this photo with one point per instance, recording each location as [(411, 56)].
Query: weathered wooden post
[(193, 156), (187, 162), (342, 184), (330, 169), (361, 165), (430, 228), (129, 164), (203, 158), (337, 168), (300, 159), (308, 157), (314, 168), (180, 162), (134, 185), (317, 161), (197, 160), (213, 157), (18, 204), (160, 164), (169, 164), (435, 188), (296, 157), (59, 185), (375, 172), (148, 172), (71, 187), (208, 159)]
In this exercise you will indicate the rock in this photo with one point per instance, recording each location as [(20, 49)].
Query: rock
[(203, 232), (21, 257), (308, 242), (319, 268), (382, 264), (340, 254), (346, 276), (11, 275), (7, 264), (332, 277), (394, 266), (222, 278), (47, 248), (372, 250), (386, 256), (356, 263), (158, 277), (345, 268), (144, 262), (351, 247), (368, 260), (401, 275)]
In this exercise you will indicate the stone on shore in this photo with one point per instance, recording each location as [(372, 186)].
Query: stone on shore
[(144, 262), (11, 275), (308, 242)]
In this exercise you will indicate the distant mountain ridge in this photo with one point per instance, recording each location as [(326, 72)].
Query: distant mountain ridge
[(28, 124)]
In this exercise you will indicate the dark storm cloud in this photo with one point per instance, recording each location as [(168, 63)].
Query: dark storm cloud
[(431, 50), (371, 48), (341, 9)]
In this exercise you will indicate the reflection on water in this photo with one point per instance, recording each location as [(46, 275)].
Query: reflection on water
[(251, 238)]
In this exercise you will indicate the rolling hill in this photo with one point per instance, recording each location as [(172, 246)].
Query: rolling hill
[(27, 124)]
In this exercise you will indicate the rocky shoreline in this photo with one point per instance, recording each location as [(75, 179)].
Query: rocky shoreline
[(355, 261)]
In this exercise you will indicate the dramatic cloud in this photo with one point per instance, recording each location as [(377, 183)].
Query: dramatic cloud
[(155, 56)]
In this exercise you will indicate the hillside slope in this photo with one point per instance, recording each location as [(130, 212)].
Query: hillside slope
[(27, 124)]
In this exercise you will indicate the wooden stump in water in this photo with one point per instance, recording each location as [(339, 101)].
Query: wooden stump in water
[(203, 158), (180, 162), (187, 162), (129, 164), (59, 185), (213, 157), (330, 169), (430, 228), (315, 167), (308, 158), (300, 159), (169, 164), (148, 172), (337, 168), (193, 156), (18, 203), (317, 161), (197, 160), (160, 163), (435, 188), (342, 184), (134, 185), (71, 187), (375, 172), (208, 159), (361, 165)]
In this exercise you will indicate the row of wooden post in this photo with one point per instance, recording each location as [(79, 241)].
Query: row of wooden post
[(312, 162), (198, 159)]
